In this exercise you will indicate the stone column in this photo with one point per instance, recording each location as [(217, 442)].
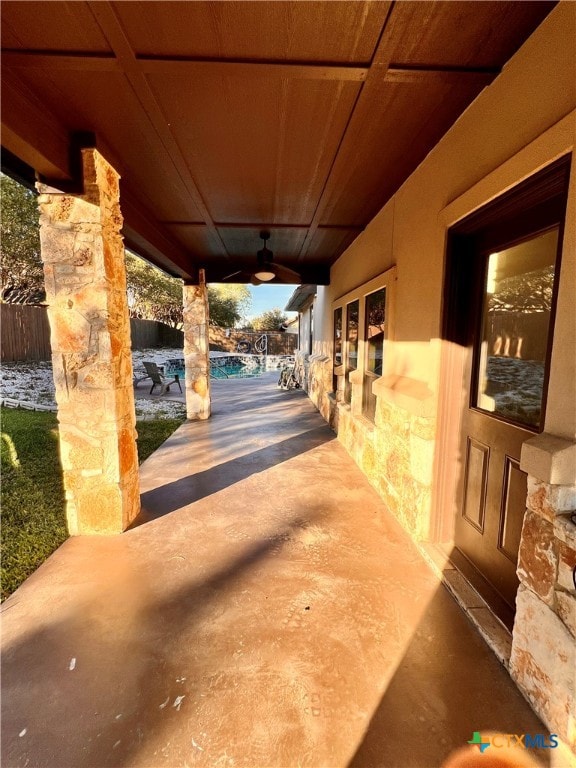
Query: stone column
[(543, 660), (197, 349), (83, 256)]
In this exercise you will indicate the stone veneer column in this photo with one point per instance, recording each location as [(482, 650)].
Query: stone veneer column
[(83, 256), (197, 349), (543, 660)]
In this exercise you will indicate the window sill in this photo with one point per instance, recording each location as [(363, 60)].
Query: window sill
[(412, 395)]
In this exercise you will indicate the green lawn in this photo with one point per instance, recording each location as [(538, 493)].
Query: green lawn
[(33, 518)]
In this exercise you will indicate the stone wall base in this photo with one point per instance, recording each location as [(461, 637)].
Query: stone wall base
[(543, 659)]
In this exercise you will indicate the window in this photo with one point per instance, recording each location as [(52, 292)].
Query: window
[(363, 321), (337, 349), (375, 331), (352, 316), (338, 336), (311, 334)]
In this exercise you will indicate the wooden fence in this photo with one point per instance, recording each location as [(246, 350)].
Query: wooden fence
[(25, 335), (150, 333), (277, 343)]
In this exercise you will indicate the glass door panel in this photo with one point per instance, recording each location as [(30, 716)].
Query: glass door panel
[(517, 305)]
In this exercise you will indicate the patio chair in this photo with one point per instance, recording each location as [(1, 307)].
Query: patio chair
[(139, 374), (159, 380)]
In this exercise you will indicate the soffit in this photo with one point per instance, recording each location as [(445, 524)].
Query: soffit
[(226, 118)]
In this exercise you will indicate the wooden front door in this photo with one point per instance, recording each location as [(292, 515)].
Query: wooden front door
[(504, 275)]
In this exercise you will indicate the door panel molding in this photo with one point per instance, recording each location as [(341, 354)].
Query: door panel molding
[(475, 484), (510, 528)]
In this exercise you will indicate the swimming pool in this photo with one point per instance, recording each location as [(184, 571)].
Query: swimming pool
[(233, 366), (237, 371)]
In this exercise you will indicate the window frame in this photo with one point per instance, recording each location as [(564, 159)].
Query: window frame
[(368, 397), (355, 383)]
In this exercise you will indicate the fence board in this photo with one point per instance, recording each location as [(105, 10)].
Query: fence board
[(25, 333)]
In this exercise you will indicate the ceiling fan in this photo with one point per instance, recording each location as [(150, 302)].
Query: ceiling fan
[(265, 269)]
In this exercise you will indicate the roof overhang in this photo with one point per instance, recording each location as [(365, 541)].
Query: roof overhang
[(224, 119)]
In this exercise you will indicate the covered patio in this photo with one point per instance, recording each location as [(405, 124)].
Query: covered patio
[(266, 611), (267, 603)]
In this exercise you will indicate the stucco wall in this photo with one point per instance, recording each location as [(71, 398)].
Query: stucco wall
[(521, 123), (535, 91), (517, 125)]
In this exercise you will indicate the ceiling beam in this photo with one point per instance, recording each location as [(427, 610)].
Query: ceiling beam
[(149, 239), (27, 125), (262, 225), (109, 22), (260, 69), (399, 75), (198, 67), (79, 62)]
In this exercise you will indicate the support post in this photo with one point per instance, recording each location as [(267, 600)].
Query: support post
[(85, 275), (197, 349)]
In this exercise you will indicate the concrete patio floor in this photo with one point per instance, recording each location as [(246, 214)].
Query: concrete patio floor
[(267, 612)]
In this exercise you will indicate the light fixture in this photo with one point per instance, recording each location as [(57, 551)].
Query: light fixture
[(264, 257), (264, 275)]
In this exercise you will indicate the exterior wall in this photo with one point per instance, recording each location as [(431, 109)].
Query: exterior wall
[(309, 375), (522, 122), (543, 660)]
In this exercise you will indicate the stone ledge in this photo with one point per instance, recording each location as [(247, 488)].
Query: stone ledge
[(550, 458), (412, 395)]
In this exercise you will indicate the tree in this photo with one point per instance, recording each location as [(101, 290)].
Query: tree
[(527, 292), (271, 320), (228, 303), (22, 276), (152, 295)]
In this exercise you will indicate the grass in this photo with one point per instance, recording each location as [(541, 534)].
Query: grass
[(33, 507)]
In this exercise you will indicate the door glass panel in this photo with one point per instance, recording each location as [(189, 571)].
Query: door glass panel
[(515, 324), (352, 312)]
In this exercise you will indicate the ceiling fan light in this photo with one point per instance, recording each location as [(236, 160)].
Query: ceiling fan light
[(264, 275)]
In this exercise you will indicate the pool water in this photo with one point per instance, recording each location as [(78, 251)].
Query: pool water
[(236, 371), (230, 372)]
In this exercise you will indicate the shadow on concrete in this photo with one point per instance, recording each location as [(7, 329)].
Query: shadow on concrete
[(186, 490), (446, 687), (124, 641)]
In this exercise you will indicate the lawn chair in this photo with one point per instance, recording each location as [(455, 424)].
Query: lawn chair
[(159, 380), (139, 374)]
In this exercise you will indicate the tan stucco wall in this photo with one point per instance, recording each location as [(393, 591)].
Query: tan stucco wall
[(517, 125), (521, 123)]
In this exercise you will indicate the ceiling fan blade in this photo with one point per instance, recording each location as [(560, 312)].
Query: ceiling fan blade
[(254, 280), (233, 274), (285, 273)]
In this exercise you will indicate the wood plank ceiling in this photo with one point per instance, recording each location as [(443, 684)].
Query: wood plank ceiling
[(226, 118)]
